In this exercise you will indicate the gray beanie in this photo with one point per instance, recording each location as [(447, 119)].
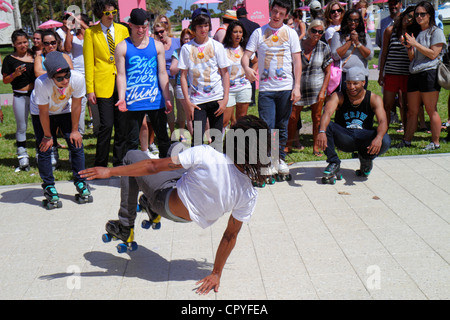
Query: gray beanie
[(55, 63), (356, 74)]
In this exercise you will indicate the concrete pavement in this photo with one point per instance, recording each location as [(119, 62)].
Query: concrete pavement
[(387, 237)]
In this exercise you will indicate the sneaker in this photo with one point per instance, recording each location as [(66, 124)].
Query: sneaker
[(431, 146), (153, 148), (151, 155), (402, 144), (283, 167)]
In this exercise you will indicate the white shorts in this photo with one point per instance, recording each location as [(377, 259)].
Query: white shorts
[(178, 93), (241, 96)]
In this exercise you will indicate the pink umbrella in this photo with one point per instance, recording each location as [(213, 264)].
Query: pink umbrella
[(3, 24), (50, 24), (207, 1), (5, 6)]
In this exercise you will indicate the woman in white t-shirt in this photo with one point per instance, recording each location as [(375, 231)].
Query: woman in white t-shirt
[(334, 12), (181, 188), (240, 88)]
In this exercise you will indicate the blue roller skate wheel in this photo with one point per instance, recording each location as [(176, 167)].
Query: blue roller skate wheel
[(122, 248), (106, 238), (138, 208), (133, 246), (145, 224), (157, 226)]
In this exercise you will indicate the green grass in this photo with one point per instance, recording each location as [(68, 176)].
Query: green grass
[(8, 160)]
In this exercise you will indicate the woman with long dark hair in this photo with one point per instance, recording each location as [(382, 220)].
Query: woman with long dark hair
[(17, 69), (394, 64), (352, 45), (240, 88), (424, 50)]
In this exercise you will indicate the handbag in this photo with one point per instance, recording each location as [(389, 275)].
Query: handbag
[(335, 78), (336, 74), (443, 75)]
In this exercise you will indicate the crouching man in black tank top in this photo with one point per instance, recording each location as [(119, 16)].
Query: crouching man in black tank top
[(352, 129)]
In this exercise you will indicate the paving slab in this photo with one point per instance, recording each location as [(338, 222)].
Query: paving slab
[(385, 237)]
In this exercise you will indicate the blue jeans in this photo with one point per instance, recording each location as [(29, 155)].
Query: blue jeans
[(64, 122), (351, 140), (275, 108)]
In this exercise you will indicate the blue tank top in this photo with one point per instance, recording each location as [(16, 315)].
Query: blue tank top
[(143, 89)]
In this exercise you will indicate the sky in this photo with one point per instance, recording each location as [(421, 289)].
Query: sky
[(176, 3)]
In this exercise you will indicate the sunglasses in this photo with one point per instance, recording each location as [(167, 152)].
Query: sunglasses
[(52, 43), (337, 10), (160, 32), (107, 13), (60, 79), (409, 16), (420, 14), (314, 31), (353, 21)]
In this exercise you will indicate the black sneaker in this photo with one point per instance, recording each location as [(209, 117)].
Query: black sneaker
[(402, 144)]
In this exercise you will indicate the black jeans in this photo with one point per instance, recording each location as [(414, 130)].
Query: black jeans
[(351, 140), (111, 117), (201, 116), (158, 119)]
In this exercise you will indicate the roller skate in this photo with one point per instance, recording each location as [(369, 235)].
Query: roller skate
[(265, 75), (154, 219), (280, 74), (24, 161), (270, 177), (84, 194), (365, 167), (51, 200), (283, 172), (116, 231), (207, 89), (332, 173)]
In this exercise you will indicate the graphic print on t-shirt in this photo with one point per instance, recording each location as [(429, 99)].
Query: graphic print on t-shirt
[(142, 81), (199, 56), (60, 97), (274, 39)]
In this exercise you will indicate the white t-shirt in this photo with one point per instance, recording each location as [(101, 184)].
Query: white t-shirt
[(203, 63), (59, 101), (77, 54), (331, 30), (214, 186), (275, 48), (238, 81)]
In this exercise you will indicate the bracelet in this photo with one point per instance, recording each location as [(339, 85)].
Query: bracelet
[(322, 131), (47, 138), (359, 45)]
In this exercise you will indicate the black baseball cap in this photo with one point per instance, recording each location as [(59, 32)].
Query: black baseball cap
[(200, 11), (241, 12), (139, 17)]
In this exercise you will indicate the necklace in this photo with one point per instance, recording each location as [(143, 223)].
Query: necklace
[(200, 55), (61, 92), (275, 35), (236, 52)]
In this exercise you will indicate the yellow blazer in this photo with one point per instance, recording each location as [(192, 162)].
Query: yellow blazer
[(99, 69)]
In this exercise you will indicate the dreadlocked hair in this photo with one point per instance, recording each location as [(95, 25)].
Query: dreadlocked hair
[(248, 145)]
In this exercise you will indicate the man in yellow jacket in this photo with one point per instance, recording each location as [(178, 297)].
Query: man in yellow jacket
[(98, 49)]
